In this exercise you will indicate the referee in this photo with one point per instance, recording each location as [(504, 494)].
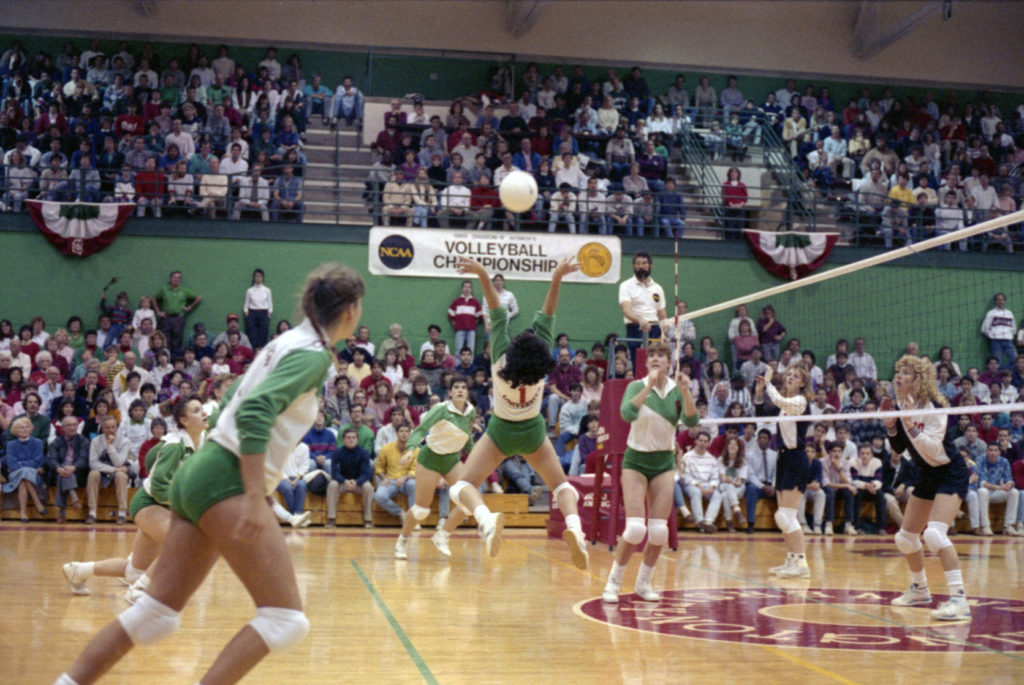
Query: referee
[(643, 303)]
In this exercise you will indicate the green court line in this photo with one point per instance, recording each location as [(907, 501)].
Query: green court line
[(395, 626)]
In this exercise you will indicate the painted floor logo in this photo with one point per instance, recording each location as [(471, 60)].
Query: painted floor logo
[(821, 618)]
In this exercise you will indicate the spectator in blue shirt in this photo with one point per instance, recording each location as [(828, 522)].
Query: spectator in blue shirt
[(321, 442), (287, 195), (996, 485), (671, 210), (319, 97)]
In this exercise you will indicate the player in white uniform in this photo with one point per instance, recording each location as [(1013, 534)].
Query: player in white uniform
[(218, 496)]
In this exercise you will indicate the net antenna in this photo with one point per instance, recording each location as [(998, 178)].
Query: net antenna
[(675, 304), (892, 255)]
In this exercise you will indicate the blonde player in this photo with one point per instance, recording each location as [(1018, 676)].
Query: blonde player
[(936, 499), (793, 468), (519, 368), (219, 496)]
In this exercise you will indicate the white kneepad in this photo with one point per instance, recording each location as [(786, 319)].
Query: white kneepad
[(935, 536), (280, 628), (563, 486), (907, 543), (786, 520), (453, 495), (635, 530), (148, 621), (657, 532), (419, 513)]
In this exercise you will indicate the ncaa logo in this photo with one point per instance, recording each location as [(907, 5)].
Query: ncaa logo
[(395, 252)]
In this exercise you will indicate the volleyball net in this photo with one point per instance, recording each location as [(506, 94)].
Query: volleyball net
[(913, 299)]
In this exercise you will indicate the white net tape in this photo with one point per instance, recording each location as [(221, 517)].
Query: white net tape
[(849, 417)]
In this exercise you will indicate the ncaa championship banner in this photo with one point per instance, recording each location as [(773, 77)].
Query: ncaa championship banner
[(399, 251)]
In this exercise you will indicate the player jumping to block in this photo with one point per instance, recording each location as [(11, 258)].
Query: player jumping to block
[(518, 372)]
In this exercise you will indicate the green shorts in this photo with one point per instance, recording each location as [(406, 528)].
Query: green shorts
[(140, 500), (517, 437), (440, 463), (650, 464), (209, 476)]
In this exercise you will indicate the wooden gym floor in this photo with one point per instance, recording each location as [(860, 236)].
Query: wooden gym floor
[(529, 616)]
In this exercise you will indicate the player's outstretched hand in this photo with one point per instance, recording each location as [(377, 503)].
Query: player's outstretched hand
[(471, 266), (565, 267)]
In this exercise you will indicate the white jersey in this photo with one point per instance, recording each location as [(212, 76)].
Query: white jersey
[(288, 372), (515, 404)]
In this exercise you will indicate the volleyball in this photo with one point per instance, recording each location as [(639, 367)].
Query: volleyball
[(518, 191)]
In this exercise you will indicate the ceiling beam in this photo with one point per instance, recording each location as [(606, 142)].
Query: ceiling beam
[(869, 38)]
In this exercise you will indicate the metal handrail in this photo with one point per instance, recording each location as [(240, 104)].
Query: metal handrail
[(861, 221), (697, 160), (778, 159)]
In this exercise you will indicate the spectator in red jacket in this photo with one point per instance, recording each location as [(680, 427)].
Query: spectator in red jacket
[(465, 313)]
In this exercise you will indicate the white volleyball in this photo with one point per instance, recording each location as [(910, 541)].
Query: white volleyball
[(518, 191)]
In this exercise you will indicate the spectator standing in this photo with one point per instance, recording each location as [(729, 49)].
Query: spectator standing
[(769, 332), (258, 308), (999, 327), (172, 303), (465, 314)]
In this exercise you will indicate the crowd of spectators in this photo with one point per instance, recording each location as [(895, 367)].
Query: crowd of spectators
[(584, 141), (194, 134), (96, 398), (908, 168)]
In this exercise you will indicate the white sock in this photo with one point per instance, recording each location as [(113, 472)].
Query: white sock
[(65, 679), (142, 584), (92, 512), (573, 521), (955, 582), (918, 578), (86, 569), (481, 513), (281, 512), (618, 570), (799, 556), (131, 573), (643, 577)]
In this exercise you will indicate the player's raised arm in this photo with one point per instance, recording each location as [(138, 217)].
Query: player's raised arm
[(564, 268), (475, 268)]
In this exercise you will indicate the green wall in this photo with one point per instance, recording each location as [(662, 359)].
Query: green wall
[(395, 75), (889, 305)]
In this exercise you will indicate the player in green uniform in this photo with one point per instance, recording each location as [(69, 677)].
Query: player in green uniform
[(218, 497), (518, 372), (448, 430), (653, 406), (148, 507)]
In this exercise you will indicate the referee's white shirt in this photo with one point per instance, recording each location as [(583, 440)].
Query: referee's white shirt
[(644, 300)]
